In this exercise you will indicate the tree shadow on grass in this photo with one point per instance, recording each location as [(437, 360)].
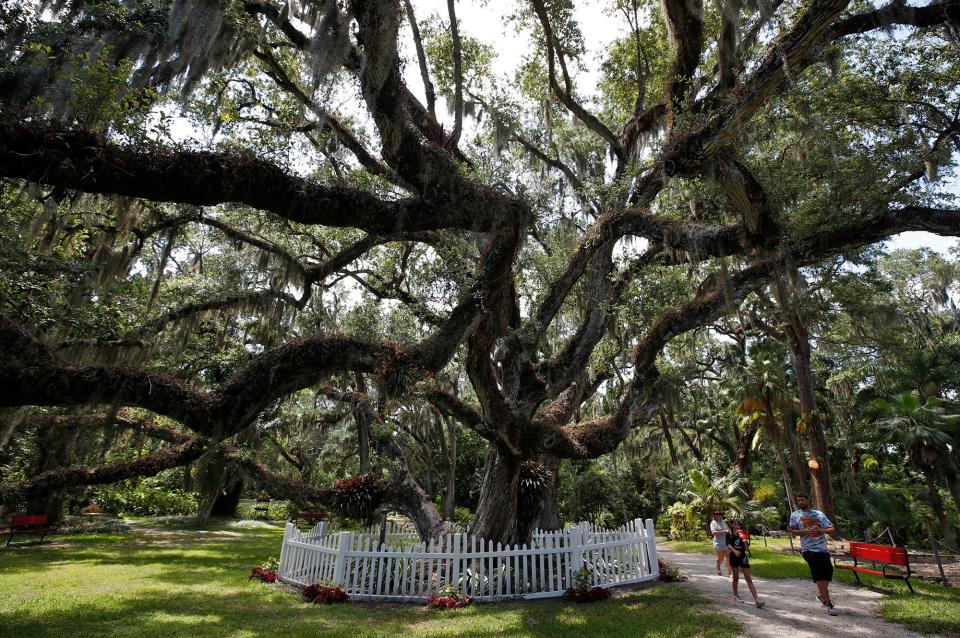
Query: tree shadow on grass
[(261, 610)]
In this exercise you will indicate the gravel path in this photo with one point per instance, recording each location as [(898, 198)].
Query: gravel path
[(791, 607)]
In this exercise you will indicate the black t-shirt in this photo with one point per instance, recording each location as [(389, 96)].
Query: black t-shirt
[(736, 543)]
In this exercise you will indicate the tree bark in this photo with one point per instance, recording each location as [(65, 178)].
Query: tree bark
[(364, 423), (822, 489), (450, 491), (228, 498), (798, 468), (798, 340), (669, 439), (549, 518), (211, 473), (57, 449), (496, 518)]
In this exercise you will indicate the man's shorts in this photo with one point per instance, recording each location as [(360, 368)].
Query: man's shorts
[(740, 561), (820, 566)]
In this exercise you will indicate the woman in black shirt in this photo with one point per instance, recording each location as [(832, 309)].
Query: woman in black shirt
[(739, 561)]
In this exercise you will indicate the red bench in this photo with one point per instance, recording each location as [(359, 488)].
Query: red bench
[(893, 560), (30, 524)]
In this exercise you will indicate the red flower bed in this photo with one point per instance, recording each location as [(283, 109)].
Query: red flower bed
[(266, 575), (586, 595), (447, 602), (318, 593)]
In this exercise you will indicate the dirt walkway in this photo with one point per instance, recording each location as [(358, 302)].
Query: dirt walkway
[(791, 608)]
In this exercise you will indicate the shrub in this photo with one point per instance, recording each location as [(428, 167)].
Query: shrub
[(74, 525), (276, 511), (462, 517), (769, 517), (272, 563), (325, 593), (265, 575), (141, 498), (448, 598), (686, 522), (669, 572)]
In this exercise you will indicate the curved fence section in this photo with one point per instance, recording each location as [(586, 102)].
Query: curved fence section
[(405, 569)]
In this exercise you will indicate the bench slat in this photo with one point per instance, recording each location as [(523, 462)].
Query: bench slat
[(879, 553)]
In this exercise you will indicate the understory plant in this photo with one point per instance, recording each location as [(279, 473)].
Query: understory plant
[(670, 572), (265, 575), (582, 592), (448, 598), (325, 592)]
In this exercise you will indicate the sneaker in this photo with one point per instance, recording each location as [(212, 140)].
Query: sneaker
[(832, 610), (822, 601), (738, 599), (760, 604)]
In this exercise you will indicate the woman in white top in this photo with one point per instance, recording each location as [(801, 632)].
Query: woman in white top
[(718, 531)]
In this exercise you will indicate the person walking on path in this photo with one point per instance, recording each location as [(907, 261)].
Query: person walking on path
[(738, 544), (812, 526), (718, 531)]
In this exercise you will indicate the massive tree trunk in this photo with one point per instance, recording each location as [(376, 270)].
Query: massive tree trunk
[(549, 518), (57, 447), (211, 474), (496, 517), (228, 498)]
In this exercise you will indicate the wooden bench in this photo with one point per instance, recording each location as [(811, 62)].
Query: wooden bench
[(893, 560), (29, 524)]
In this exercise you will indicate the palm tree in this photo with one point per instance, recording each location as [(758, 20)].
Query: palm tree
[(759, 384), (711, 492), (921, 429)]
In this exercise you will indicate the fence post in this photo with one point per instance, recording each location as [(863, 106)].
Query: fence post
[(652, 549), (576, 558), (338, 564), (287, 532)]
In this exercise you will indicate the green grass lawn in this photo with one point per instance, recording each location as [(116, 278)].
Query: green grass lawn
[(933, 609), (189, 583)]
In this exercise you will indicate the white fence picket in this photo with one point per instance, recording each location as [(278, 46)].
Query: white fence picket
[(406, 569)]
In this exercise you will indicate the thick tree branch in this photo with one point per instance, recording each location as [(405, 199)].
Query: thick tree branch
[(898, 13), (565, 95), (457, 75), (684, 20), (148, 465), (51, 153), (421, 59)]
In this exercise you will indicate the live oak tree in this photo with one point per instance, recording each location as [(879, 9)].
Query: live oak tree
[(524, 258)]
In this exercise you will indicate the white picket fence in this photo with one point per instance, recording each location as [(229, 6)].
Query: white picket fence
[(408, 570)]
